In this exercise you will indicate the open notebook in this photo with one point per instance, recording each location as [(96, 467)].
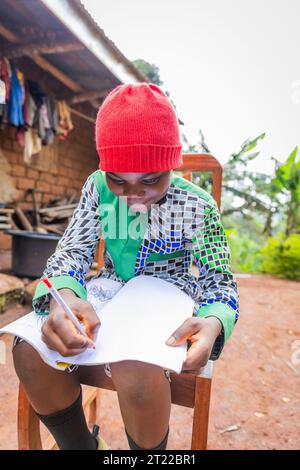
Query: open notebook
[(136, 320)]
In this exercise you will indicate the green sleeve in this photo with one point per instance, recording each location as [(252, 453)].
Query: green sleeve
[(212, 257), (60, 282)]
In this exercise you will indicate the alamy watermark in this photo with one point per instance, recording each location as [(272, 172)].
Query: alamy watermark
[(177, 219)]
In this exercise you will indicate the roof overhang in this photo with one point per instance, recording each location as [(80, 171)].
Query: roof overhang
[(78, 21)]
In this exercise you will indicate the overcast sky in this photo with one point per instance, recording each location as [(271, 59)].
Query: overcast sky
[(232, 66)]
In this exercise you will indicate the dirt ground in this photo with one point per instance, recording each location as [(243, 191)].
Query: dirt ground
[(256, 384)]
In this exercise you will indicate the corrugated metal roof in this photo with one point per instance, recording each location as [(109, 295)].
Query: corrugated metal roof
[(99, 65)]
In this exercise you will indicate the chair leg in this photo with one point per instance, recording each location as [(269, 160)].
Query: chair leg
[(94, 408), (201, 413), (29, 437)]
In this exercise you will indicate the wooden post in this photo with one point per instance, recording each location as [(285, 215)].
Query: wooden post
[(201, 413)]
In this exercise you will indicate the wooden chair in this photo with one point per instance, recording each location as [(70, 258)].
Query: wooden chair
[(192, 391)]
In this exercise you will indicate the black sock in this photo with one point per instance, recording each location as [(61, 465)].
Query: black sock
[(133, 445), (69, 427)]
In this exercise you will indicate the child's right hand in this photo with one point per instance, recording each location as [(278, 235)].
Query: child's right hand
[(58, 331)]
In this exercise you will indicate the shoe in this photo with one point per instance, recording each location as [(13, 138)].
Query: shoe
[(101, 442)]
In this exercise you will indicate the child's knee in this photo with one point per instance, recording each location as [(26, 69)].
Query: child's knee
[(136, 381)]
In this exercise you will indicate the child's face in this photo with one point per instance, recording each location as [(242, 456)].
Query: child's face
[(140, 188)]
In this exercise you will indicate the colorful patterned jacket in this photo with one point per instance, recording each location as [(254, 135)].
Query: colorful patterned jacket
[(184, 228)]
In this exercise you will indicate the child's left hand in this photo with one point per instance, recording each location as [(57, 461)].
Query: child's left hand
[(201, 333)]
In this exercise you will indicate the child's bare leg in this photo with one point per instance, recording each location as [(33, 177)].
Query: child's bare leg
[(48, 390), (56, 398), (145, 401)]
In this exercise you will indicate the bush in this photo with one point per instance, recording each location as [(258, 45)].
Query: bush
[(282, 257), (245, 252)]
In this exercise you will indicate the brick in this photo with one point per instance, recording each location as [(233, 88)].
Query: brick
[(70, 191), (7, 144), (33, 174), (59, 191), (44, 187), (18, 170), (63, 181), (48, 178), (25, 183), (47, 198), (5, 241), (17, 147), (38, 197), (20, 196), (69, 163), (11, 157), (11, 132)]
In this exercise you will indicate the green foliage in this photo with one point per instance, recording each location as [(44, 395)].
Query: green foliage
[(245, 252), (151, 71), (287, 181), (282, 257)]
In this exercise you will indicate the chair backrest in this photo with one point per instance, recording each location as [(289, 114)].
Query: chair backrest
[(204, 162)]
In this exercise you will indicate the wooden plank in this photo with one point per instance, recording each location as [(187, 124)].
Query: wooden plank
[(87, 96), (49, 47), (41, 62), (201, 414), (183, 389), (11, 37), (29, 437), (4, 210), (62, 77), (23, 219), (205, 162), (82, 115), (56, 208)]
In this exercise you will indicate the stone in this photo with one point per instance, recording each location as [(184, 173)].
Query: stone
[(11, 291), (30, 290)]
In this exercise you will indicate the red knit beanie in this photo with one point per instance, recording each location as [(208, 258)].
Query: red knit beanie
[(137, 130)]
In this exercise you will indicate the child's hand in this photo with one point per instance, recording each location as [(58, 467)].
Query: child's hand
[(201, 333), (58, 331)]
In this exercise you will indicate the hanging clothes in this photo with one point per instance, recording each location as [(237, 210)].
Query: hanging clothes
[(2, 100), (16, 100), (65, 121), (27, 106), (30, 110), (45, 120), (5, 75), (33, 144), (51, 104)]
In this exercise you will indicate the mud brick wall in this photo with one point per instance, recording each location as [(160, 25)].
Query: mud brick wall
[(60, 169)]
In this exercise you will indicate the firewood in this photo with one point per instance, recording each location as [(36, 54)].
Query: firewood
[(23, 219)]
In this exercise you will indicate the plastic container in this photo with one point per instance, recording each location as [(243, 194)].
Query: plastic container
[(30, 251)]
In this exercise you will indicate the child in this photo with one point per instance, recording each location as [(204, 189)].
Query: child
[(138, 142)]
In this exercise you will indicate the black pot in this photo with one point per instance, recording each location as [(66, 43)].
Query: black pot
[(30, 251)]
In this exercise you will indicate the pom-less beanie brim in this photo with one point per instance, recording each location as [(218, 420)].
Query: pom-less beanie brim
[(140, 158)]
